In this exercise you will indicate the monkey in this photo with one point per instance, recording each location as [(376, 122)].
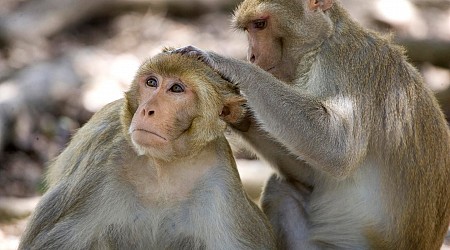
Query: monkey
[(153, 171), (360, 145)]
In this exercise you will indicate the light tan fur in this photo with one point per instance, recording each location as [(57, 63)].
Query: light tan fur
[(109, 190), (360, 144)]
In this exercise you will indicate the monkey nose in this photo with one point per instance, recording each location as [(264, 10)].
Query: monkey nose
[(252, 58), (146, 112)]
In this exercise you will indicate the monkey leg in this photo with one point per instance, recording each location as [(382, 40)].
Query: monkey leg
[(284, 204)]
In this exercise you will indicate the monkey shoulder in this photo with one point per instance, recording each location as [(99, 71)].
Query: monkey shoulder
[(97, 135)]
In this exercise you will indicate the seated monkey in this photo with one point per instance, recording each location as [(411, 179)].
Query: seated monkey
[(153, 171)]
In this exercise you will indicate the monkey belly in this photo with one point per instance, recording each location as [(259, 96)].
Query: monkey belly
[(336, 224)]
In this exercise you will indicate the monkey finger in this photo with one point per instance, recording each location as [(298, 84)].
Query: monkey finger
[(197, 53), (186, 50), (202, 56), (191, 51)]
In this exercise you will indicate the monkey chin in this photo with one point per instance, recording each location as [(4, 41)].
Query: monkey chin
[(149, 143), (157, 154), (141, 150), (166, 152), (160, 152)]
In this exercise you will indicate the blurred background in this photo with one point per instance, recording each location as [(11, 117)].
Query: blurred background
[(61, 60)]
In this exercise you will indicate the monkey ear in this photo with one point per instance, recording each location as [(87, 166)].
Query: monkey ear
[(320, 4), (233, 110)]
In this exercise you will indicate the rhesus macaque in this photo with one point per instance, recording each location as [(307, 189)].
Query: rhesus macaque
[(361, 145), (153, 171)]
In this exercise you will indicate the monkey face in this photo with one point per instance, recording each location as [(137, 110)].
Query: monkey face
[(177, 105), (166, 109), (280, 32)]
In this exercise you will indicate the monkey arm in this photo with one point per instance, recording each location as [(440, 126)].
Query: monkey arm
[(54, 222), (296, 119), (51, 209)]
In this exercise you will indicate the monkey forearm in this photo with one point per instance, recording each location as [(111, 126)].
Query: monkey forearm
[(308, 120)]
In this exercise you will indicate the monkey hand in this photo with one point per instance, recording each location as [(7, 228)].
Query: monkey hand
[(215, 61), (195, 52)]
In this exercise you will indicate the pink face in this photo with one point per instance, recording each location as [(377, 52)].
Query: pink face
[(166, 110), (266, 48)]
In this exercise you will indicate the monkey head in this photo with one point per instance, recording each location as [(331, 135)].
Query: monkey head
[(176, 105), (280, 32)]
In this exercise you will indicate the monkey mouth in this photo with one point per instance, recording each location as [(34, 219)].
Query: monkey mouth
[(150, 132), (269, 69)]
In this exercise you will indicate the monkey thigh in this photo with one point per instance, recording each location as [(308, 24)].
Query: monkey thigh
[(284, 204)]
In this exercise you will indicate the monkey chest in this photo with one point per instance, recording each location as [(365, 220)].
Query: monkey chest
[(180, 227)]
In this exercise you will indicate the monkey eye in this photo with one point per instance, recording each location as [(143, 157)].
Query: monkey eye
[(152, 82), (177, 88), (260, 24)]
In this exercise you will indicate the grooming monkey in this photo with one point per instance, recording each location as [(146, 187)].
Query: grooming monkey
[(360, 144), (153, 171)]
